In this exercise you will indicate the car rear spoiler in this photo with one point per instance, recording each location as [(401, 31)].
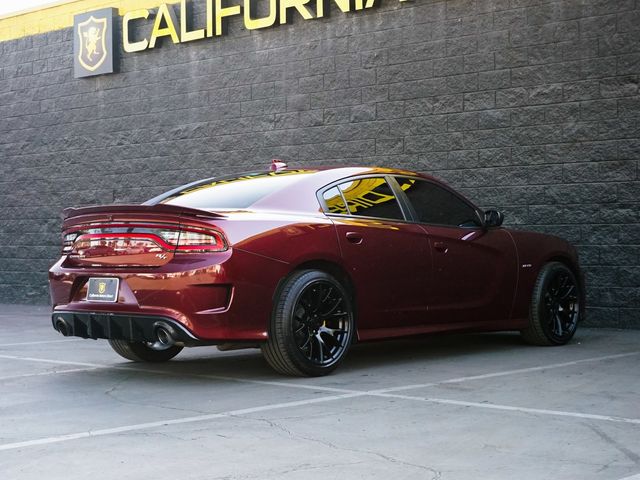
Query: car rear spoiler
[(160, 208)]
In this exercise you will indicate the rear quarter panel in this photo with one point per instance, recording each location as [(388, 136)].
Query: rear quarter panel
[(289, 238), (268, 247)]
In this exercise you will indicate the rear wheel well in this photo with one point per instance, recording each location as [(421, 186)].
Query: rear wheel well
[(335, 271)]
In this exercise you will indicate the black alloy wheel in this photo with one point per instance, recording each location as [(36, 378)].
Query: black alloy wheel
[(555, 306), (312, 325), (321, 323)]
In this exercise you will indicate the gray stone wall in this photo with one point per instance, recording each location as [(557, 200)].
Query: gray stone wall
[(530, 106)]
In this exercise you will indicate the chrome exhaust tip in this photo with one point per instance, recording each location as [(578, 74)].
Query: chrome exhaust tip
[(63, 327), (165, 334), (164, 337)]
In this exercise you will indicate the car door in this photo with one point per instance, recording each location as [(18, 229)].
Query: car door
[(385, 255), (474, 268)]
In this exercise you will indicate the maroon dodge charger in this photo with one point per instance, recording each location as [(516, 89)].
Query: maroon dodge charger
[(302, 263)]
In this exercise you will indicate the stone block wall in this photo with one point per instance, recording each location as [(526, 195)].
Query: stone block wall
[(530, 106)]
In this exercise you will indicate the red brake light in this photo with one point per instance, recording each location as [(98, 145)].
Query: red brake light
[(168, 238), (197, 241), (67, 242)]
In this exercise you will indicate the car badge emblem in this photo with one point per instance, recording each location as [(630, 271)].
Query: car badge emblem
[(102, 287)]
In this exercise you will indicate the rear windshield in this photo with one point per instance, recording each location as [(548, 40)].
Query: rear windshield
[(231, 192)]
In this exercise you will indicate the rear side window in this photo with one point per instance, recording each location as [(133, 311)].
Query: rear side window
[(371, 197), (335, 203), (436, 205)]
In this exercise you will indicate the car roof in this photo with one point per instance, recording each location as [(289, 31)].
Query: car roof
[(299, 195)]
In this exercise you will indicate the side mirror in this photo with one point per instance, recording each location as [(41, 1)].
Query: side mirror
[(493, 218)]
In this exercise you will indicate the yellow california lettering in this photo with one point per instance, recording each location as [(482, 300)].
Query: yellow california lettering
[(279, 12), (185, 34), (254, 23), (299, 5), (222, 12), (127, 44), (166, 14)]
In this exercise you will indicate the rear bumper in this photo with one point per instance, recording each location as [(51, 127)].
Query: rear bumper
[(216, 298), (132, 328)]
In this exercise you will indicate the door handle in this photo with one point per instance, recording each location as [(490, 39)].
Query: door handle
[(440, 246), (354, 237)]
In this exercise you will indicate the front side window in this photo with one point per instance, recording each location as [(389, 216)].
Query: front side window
[(371, 197), (436, 205)]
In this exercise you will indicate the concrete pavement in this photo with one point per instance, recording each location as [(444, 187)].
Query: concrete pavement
[(449, 407)]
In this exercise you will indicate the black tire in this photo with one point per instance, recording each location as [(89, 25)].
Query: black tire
[(555, 306), (143, 352), (312, 325)]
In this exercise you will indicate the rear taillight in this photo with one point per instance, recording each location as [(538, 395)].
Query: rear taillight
[(191, 241), (67, 242), (170, 236), (125, 237)]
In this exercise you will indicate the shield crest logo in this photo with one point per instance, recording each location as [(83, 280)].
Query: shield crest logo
[(102, 287), (92, 42)]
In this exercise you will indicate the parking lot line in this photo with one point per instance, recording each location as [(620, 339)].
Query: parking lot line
[(494, 406), (508, 372), (52, 372), (40, 342), (176, 421), (264, 408), (58, 362), (95, 366), (339, 394)]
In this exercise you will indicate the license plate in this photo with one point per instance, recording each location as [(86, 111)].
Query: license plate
[(103, 289)]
